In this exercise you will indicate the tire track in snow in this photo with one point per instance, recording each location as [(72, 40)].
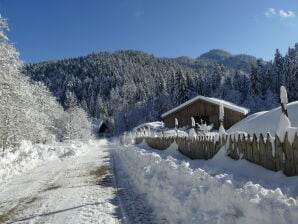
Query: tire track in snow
[(132, 206)]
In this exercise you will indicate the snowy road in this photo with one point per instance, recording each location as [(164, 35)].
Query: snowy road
[(75, 190), (112, 183)]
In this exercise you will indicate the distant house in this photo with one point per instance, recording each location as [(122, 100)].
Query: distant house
[(102, 127), (204, 109)]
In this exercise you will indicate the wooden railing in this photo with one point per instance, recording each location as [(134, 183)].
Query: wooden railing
[(267, 151)]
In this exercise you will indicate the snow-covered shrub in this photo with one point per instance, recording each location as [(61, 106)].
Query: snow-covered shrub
[(76, 123), (27, 110)]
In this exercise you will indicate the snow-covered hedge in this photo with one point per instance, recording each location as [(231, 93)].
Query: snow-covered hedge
[(179, 194)]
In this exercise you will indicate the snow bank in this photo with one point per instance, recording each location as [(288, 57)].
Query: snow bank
[(285, 127), (172, 132), (18, 160), (266, 121), (181, 194)]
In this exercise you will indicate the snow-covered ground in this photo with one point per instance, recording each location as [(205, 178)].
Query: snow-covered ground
[(104, 182), (66, 189), (75, 182), (220, 190)]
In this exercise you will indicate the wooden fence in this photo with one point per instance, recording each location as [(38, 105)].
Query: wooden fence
[(202, 147), (268, 152)]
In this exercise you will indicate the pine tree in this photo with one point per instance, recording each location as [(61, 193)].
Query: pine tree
[(277, 70), (254, 82), (180, 91)]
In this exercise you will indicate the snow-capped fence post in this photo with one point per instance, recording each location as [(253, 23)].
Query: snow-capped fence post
[(221, 131), (243, 146), (176, 127), (262, 150), (289, 157), (285, 136), (249, 149), (162, 130), (270, 155), (221, 114), (256, 151), (278, 154), (284, 100), (192, 132)]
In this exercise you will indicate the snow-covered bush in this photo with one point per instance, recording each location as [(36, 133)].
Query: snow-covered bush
[(76, 123), (28, 111)]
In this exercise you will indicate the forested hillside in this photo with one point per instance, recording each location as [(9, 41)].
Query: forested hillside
[(130, 87)]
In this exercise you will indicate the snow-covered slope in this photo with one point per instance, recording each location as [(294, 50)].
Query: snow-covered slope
[(266, 121)]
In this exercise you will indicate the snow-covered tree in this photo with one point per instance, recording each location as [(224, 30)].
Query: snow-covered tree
[(15, 95), (277, 70), (28, 111), (180, 89), (76, 124)]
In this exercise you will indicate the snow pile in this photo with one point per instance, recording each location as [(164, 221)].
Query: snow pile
[(171, 133), (285, 127), (18, 160), (192, 133), (181, 194), (266, 121)]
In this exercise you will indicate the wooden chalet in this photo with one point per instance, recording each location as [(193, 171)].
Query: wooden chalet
[(204, 109)]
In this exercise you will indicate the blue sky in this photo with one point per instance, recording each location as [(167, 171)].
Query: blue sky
[(53, 29)]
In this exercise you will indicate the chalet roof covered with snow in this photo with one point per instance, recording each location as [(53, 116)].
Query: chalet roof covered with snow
[(226, 104), (153, 125)]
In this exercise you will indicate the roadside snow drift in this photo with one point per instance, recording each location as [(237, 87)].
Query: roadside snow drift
[(18, 160), (180, 194)]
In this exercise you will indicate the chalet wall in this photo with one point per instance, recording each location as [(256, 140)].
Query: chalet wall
[(202, 108)]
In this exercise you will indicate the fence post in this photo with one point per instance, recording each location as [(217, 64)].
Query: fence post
[(269, 157), (295, 152), (243, 145), (289, 157), (262, 151), (279, 155), (255, 150), (249, 149)]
